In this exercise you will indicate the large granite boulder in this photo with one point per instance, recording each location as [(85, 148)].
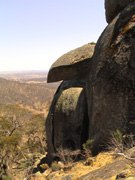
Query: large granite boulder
[(113, 7), (72, 65), (98, 94), (111, 84), (67, 121)]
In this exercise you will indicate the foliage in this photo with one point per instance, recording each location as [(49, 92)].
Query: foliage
[(25, 164), (87, 147), (118, 135), (55, 166), (21, 133), (4, 124), (6, 177), (9, 141), (119, 142), (22, 126), (36, 134), (32, 95)]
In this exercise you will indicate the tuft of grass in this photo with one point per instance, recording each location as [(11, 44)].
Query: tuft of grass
[(5, 177), (119, 142), (87, 147), (118, 136), (55, 166)]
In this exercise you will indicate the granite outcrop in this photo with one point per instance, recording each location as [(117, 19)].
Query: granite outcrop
[(100, 100)]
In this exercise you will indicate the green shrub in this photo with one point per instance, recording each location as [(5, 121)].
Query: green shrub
[(25, 164), (9, 141), (87, 147), (88, 144), (55, 166), (118, 135), (4, 123), (116, 142), (119, 142), (5, 177)]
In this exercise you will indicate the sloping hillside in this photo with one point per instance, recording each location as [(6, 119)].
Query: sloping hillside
[(33, 96), (23, 110)]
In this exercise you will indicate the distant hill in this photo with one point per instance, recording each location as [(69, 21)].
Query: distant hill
[(34, 97), (26, 76)]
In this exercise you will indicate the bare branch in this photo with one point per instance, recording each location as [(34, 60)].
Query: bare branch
[(122, 154)]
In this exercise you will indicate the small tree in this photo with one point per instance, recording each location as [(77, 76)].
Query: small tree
[(9, 139), (87, 147), (120, 142)]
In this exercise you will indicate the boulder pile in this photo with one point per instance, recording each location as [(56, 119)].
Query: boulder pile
[(97, 95)]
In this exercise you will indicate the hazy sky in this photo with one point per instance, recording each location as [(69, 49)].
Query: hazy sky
[(35, 33)]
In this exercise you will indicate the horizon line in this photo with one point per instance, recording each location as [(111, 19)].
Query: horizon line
[(23, 70)]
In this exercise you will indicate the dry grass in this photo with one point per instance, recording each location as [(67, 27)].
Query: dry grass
[(67, 156), (120, 143), (79, 169)]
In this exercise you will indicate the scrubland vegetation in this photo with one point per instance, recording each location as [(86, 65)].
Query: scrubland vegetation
[(23, 111), (22, 140)]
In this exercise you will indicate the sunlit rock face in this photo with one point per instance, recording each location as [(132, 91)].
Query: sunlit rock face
[(111, 84), (72, 65)]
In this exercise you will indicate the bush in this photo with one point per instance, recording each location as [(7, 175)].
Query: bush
[(9, 141), (5, 177), (87, 147), (115, 141), (118, 136), (119, 142), (55, 166), (25, 164)]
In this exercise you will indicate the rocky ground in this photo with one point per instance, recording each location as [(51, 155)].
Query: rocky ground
[(105, 166)]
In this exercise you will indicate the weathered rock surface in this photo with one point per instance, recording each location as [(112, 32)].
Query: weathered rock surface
[(72, 65), (98, 99), (105, 166), (111, 84), (109, 171), (113, 7), (67, 122)]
